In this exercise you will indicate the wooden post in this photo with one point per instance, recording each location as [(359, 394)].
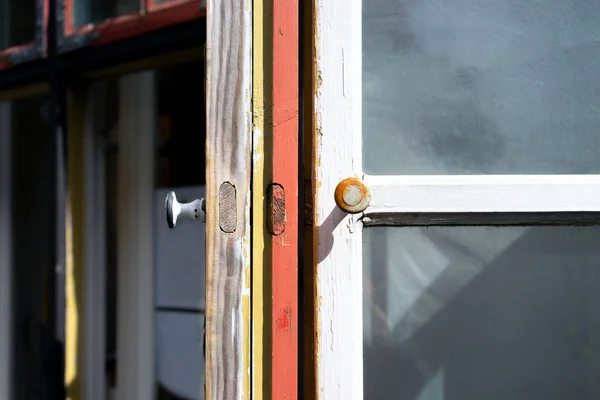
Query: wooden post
[(228, 168)]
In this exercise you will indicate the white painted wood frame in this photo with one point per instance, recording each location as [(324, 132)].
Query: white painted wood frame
[(396, 200), (338, 252), (5, 253), (135, 278), (94, 273), (407, 200)]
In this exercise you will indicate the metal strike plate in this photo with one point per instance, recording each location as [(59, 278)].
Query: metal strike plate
[(196, 210)]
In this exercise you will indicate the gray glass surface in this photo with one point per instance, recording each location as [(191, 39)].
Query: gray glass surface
[(17, 23), (481, 86), (95, 11), (482, 313)]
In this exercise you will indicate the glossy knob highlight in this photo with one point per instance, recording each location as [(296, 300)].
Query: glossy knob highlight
[(195, 210)]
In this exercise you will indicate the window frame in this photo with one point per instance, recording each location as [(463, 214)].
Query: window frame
[(489, 199), (151, 17), (396, 200), (33, 50), (337, 237)]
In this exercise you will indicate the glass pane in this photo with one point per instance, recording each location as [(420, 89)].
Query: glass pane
[(94, 11), (181, 139), (179, 256), (472, 313), (17, 22), (178, 290), (33, 191), (481, 86)]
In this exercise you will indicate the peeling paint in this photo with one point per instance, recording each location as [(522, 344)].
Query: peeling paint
[(337, 69), (284, 319), (319, 80)]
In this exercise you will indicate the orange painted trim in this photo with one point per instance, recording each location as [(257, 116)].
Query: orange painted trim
[(45, 29), (68, 18), (5, 54), (114, 29), (284, 382)]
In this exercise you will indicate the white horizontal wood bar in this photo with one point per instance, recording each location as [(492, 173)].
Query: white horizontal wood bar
[(533, 194)]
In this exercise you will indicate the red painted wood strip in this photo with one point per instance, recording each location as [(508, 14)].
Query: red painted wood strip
[(69, 17), (285, 173)]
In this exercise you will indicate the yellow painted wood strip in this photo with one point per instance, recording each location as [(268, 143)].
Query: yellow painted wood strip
[(75, 233), (261, 252)]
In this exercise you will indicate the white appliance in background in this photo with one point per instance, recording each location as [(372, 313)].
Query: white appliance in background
[(179, 297)]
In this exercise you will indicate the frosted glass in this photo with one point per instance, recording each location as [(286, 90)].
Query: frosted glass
[(481, 86)]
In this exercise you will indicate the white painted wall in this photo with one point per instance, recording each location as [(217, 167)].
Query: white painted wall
[(135, 321), (95, 384)]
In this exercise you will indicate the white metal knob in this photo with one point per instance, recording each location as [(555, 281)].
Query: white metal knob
[(196, 210)]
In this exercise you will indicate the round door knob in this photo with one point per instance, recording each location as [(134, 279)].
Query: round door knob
[(352, 196), (195, 210)]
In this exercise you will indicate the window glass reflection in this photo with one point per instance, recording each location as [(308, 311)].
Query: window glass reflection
[(17, 22), (32, 205), (95, 11), (471, 313)]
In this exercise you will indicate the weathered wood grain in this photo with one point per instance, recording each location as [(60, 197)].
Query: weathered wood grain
[(227, 207), (228, 151)]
